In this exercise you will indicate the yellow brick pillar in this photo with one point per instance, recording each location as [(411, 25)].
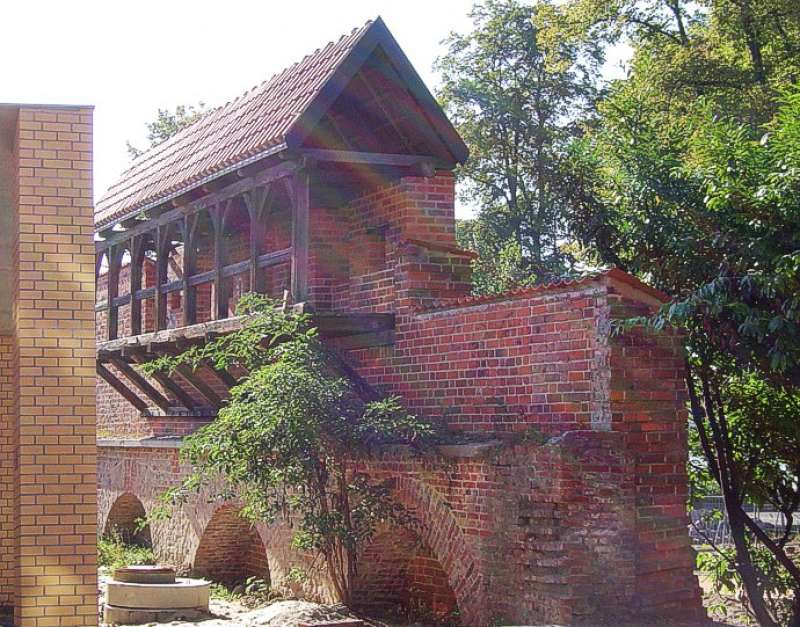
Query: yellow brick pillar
[(55, 434)]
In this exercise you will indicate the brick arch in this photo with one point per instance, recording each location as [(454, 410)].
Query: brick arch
[(399, 575), (440, 532), (123, 520), (230, 549)]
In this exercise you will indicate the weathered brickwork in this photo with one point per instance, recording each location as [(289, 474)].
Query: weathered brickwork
[(47, 395), (572, 508)]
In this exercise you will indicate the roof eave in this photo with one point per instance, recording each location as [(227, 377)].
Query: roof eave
[(269, 152)]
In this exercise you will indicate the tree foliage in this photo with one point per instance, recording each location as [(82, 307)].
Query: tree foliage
[(166, 124), (516, 88), (292, 440), (687, 174)]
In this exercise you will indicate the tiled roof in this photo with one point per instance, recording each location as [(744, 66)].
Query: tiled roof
[(612, 273), (243, 129)]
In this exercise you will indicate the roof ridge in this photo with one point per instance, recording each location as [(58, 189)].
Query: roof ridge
[(183, 132)]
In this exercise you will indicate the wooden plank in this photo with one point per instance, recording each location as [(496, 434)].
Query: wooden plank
[(329, 324), (121, 388), (143, 384), (274, 258), (266, 176), (300, 242)]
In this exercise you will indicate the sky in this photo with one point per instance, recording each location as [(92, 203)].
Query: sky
[(129, 59)]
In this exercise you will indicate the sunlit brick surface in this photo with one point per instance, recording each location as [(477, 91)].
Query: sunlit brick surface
[(51, 408)]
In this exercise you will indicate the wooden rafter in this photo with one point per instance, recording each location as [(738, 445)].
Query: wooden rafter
[(167, 383), (141, 383), (128, 394)]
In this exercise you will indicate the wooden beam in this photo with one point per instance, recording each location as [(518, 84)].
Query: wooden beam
[(300, 236), (223, 376), (121, 388), (220, 305), (367, 158), (143, 384), (199, 386), (166, 382), (257, 202)]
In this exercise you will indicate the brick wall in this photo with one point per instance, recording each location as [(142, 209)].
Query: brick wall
[(575, 513), (56, 493), (124, 521), (230, 549), (8, 462)]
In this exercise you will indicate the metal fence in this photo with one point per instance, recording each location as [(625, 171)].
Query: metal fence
[(710, 522)]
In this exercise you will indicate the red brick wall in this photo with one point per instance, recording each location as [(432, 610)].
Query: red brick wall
[(504, 366), (648, 405), (578, 514), (399, 575), (230, 549), (123, 521)]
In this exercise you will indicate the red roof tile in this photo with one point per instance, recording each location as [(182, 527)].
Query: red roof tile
[(612, 273), (241, 130)]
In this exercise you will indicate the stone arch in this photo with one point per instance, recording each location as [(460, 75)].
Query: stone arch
[(123, 520), (230, 549), (399, 575)]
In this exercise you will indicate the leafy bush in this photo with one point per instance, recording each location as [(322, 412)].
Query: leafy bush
[(292, 439), (113, 553)]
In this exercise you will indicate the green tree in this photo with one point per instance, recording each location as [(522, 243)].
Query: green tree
[(707, 209), (516, 87), (293, 438), (166, 124)]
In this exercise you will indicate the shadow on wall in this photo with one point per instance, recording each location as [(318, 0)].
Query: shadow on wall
[(124, 522), (399, 576), (230, 550)]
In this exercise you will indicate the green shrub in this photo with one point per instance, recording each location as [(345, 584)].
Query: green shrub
[(113, 553)]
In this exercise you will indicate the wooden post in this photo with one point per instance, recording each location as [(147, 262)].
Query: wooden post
[(189, 225), (300, 208), (162, 252), (114, 263), (137, 260), (257, 202), (220, 305)]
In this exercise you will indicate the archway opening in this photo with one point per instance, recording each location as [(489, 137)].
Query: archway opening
[(399, 576), (126, 522), (230, 550)]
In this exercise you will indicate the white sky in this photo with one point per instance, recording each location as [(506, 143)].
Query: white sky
[(129, 59)]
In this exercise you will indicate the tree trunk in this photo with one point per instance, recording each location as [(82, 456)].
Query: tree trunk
[(722, 460)]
